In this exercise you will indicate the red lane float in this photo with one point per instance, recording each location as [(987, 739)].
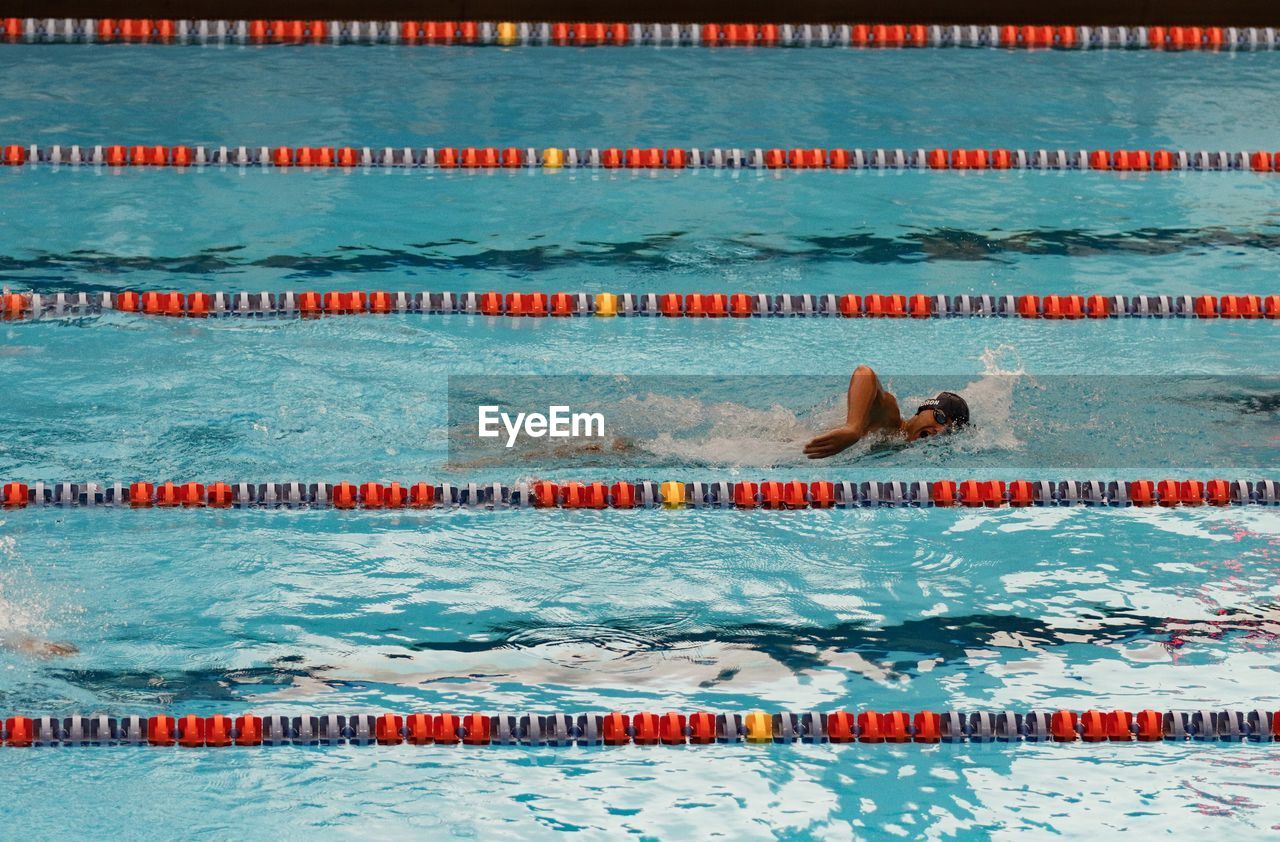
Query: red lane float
[(601, 33), (16, 306), (1260, 725), (638, 158), (774, 495)]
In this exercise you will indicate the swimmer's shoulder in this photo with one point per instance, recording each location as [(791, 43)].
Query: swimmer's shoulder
[(889, 414)]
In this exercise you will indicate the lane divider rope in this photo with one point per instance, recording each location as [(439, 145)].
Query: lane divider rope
[(672, 728), (16, 306), (640, 158), (768, 494), (524, 33)]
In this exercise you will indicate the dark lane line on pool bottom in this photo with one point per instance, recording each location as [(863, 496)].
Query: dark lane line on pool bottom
[(946, 641), (89, 271)]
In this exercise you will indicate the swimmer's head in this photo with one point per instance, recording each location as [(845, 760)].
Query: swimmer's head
[(944, 414)]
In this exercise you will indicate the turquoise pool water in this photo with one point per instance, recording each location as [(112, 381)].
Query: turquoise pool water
[(279, 611)]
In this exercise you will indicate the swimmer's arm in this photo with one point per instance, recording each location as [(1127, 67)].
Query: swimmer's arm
[(864, 396)]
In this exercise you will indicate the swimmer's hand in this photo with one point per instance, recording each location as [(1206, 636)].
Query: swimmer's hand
[(832, 442)]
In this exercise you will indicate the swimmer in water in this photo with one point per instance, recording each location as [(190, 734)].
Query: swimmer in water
[(39, 648), (872, 411)]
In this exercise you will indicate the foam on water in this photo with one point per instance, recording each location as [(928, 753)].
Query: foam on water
[(739, 436), (24, 613), (994, 417)]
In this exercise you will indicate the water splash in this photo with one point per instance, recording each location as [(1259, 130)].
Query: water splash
[(24, 617), (994, 420), (735, 435)]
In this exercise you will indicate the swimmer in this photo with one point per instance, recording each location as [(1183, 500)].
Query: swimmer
[(872, 411), (38, 647)]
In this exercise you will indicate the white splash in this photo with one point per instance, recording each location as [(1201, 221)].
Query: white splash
[(736, 435), (991, 400), (24, 617)]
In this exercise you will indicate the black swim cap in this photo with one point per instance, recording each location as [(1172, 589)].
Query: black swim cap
[(952, 405)]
